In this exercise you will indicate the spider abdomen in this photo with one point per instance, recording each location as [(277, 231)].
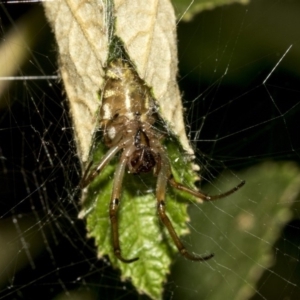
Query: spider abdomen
[(125, 98)]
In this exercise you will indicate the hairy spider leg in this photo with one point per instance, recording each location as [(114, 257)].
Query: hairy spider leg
[(114, 204), (162, 180), (203, 196)]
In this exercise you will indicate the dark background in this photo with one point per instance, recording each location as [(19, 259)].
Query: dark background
[(242, 121)]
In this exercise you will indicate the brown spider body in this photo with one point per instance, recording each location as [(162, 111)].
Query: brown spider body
[(128, 110), (127, 116)]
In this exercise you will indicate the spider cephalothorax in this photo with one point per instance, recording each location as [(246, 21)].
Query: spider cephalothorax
[(127, 117)]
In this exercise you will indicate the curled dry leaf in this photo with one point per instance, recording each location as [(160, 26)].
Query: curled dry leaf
[(149, 36), (81, 33), (150, 40)]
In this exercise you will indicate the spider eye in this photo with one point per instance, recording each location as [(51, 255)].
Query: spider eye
[(142, 161)]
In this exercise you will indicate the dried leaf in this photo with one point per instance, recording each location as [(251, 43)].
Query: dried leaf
[(83, 29), (82, 39), (151, 42)]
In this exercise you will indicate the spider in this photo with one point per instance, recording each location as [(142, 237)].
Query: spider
[(127, 116)]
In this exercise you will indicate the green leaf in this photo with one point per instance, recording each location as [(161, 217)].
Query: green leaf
[(187, 9), (241, 231), (141, 232)]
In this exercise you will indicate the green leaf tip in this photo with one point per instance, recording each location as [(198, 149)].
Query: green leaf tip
[(141, 232)]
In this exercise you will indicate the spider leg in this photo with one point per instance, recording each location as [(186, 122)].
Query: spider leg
[(113, 209), (88, 176), (162, 181), (203, 196)]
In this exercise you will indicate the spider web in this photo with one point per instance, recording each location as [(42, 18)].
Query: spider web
[(239, 75)]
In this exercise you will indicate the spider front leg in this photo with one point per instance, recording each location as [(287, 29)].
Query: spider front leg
[(114, 206), (88, 176), (162, 180)]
